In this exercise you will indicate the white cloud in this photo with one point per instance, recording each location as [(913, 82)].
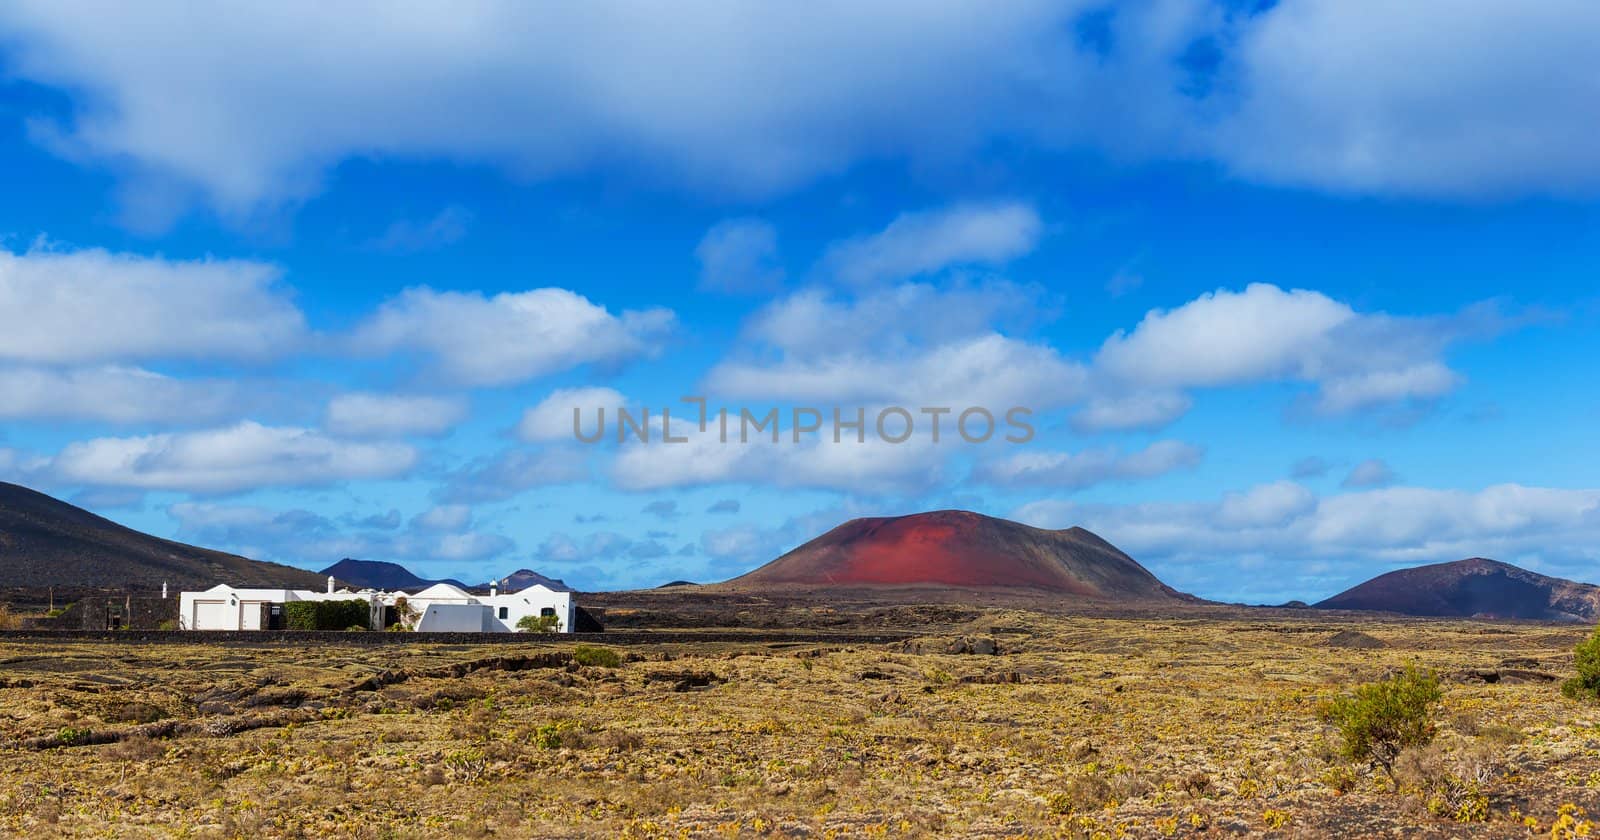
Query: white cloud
[(123, 395), (510, 337), (739, 256), (1077, 470), (1226, 338), (927, 242), (552, 418), (1265, 505), (311, 540), (1331, 543), (392, 415), (990, 371), (1348, 96), (240, 457), (816, 462), (1311, 466), (443, 518), (1146, 410), (1425, 98), (1423, 381), (912, 344), (733, 99), (1370, 473), (505, 474), (602, 549), (18, 466), (743, 542), (1264, 333), (74, 307)]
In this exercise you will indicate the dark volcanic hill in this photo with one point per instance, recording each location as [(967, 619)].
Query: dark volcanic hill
[(523, 578), (1472, 588), (955, 548), (47, 542), (378, 574)]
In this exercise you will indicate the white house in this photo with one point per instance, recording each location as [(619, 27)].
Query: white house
[(438, 608), (224, 607), (503, 611)]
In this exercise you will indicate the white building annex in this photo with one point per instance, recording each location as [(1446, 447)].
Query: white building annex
[(224, 607), (497, 612), (441, 607)]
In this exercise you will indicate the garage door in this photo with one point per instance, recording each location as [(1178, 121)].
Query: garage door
[(215, 615)]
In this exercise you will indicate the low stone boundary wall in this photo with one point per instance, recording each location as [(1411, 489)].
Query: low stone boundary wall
[(271, 637)]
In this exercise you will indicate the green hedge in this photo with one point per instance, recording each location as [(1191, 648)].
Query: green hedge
[(326, 615)]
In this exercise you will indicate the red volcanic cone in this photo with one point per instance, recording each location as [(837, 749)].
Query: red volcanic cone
[(958, 548)]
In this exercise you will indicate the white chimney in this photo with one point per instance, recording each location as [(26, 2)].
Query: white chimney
[(330, 584), (163, 590), (494, 588)]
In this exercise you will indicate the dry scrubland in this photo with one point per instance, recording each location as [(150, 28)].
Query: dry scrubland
[(1080, 726)]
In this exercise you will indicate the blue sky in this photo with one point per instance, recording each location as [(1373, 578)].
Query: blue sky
[(1298, 292)]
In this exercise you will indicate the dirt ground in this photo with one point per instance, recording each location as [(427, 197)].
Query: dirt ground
[(1193, 724)]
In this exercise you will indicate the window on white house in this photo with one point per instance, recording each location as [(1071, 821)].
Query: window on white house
[(547, 611), (505, 612)]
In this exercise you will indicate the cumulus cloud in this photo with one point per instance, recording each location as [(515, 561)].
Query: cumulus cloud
[(737, 549), (1265, 505), (88, 306), (443, 518), (1145, 410), (680, 90), (1327, 544), (311, 540), (662, 509), (393, 415), (1366, 97), (1311, 466), (608, 556), (1373, 472), (509, 337), (913, 344), (930, 241), (244, 456), (503, 475), (1348, 96), (127, 395), (816, 462), (380, 521), (552, 419), (1078, 470), (739, 256), (1264, 333)]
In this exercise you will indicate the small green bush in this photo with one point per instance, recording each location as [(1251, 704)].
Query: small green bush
[(539, 623), (1586, 685), (549, 736), (69, 736), (1382, 718), (168, 624), (327, 615), (597, 656)]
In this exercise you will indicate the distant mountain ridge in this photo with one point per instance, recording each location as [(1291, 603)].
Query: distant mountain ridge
[(381, 574), (962, 549), (1474, 588), (523, 578), (47, 542)]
